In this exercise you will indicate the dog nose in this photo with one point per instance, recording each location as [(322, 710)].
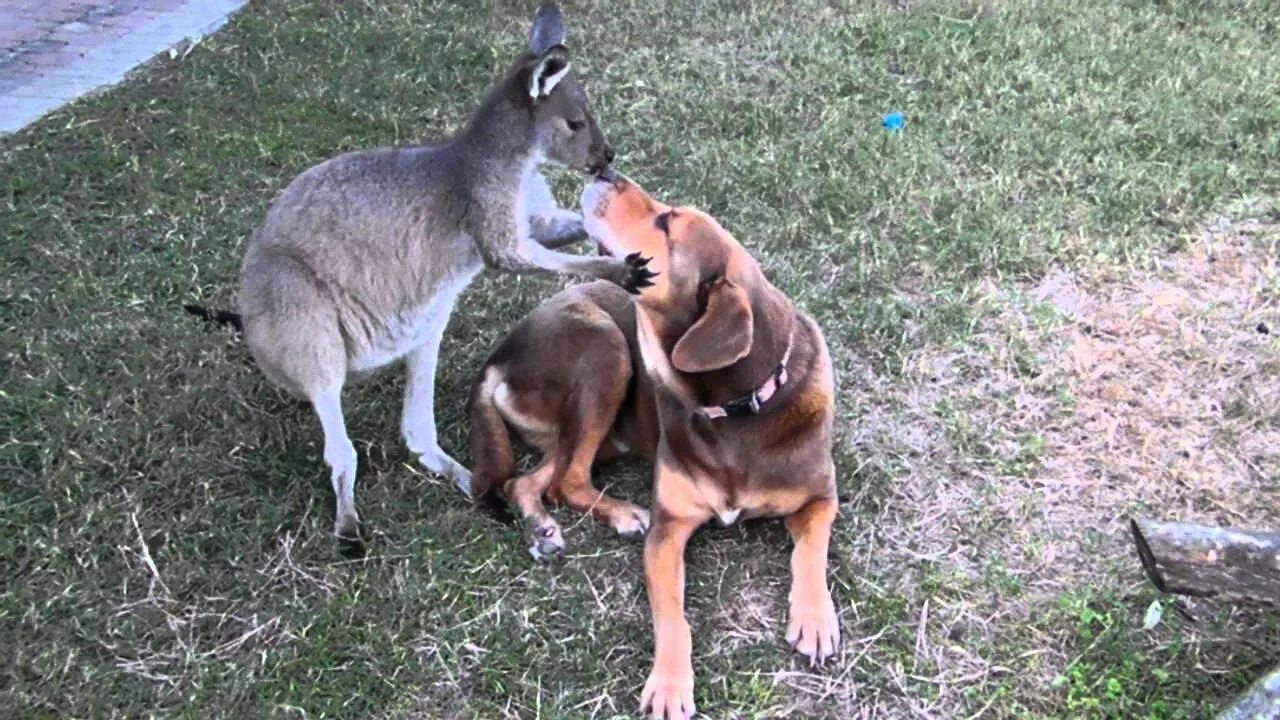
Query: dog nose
[(608, 154)]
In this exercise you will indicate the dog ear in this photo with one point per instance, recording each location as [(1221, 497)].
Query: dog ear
[(722, 336), (548, 71), (547, 30)]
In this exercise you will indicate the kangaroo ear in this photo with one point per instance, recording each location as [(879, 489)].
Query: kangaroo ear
[(548, 71), (722, 336), (547, 30)]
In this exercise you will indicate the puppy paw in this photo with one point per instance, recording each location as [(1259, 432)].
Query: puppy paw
[(814, 629), (631, 521), (545, 539), (669, 696), (636, 274)]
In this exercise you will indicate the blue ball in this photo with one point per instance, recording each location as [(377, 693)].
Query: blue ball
[(893, 121)]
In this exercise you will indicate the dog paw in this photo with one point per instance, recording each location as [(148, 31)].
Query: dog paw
[(545, 539), (636, 273), (632, 521), (669, 696), (814, 629)]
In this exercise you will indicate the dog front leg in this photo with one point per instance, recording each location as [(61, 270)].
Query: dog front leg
[(669, 689), (813, 628)]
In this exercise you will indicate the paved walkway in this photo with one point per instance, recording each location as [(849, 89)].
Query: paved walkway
[(53, 51)]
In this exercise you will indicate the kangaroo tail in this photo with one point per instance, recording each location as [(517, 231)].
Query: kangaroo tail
[(493, 461), (218, 317)]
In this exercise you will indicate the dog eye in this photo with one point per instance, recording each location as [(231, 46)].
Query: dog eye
[(576, 125), (663, 222)]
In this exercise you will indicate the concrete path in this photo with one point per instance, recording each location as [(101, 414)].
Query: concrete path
[(53, 51)]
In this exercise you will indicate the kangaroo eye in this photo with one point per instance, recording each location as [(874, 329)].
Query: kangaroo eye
[(576, 125)]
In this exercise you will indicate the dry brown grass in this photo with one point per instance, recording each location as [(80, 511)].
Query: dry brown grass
[(1020, 452), (1176, 378)]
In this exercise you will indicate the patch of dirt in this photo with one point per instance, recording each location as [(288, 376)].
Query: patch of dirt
[(1176, 381), (1016, 458)]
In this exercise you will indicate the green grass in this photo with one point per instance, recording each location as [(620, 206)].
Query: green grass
[(1038, 134), (1114, 677)]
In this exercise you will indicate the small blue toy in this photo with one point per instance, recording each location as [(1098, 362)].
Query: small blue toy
[(893, 121)]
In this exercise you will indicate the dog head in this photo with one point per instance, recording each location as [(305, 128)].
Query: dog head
[(710, 306)]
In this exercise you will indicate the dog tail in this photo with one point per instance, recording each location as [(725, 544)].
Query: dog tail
[(493, 461), (218, 317)]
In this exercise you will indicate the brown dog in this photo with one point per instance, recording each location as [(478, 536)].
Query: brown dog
[(712, 374), (563, 379)]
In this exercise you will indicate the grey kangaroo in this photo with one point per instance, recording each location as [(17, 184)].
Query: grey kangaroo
[(361, 258)]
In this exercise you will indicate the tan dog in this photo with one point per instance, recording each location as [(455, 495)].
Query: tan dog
[(731, 398)]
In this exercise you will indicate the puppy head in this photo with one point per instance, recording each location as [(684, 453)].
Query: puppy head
[(702, 294)]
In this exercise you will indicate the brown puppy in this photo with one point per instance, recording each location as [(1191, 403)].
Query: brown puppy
[(730, 396), (563, 379)]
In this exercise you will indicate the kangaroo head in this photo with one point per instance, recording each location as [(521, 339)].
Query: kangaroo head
[(564, 131)]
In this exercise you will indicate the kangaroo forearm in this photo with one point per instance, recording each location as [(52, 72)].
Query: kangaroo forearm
[(589, 267), (512, 262), (556, 231), (559, 238), (536, 259)]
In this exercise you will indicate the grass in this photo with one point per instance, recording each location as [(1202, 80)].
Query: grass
[(164, 517)]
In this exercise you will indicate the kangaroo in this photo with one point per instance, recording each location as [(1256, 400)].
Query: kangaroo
[(361, 258)]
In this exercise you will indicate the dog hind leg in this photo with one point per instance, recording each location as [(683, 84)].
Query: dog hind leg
[(525, 492), (589, 417), (574, 487)]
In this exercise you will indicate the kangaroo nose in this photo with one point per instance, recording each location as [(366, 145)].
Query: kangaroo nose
[(608, 154)]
